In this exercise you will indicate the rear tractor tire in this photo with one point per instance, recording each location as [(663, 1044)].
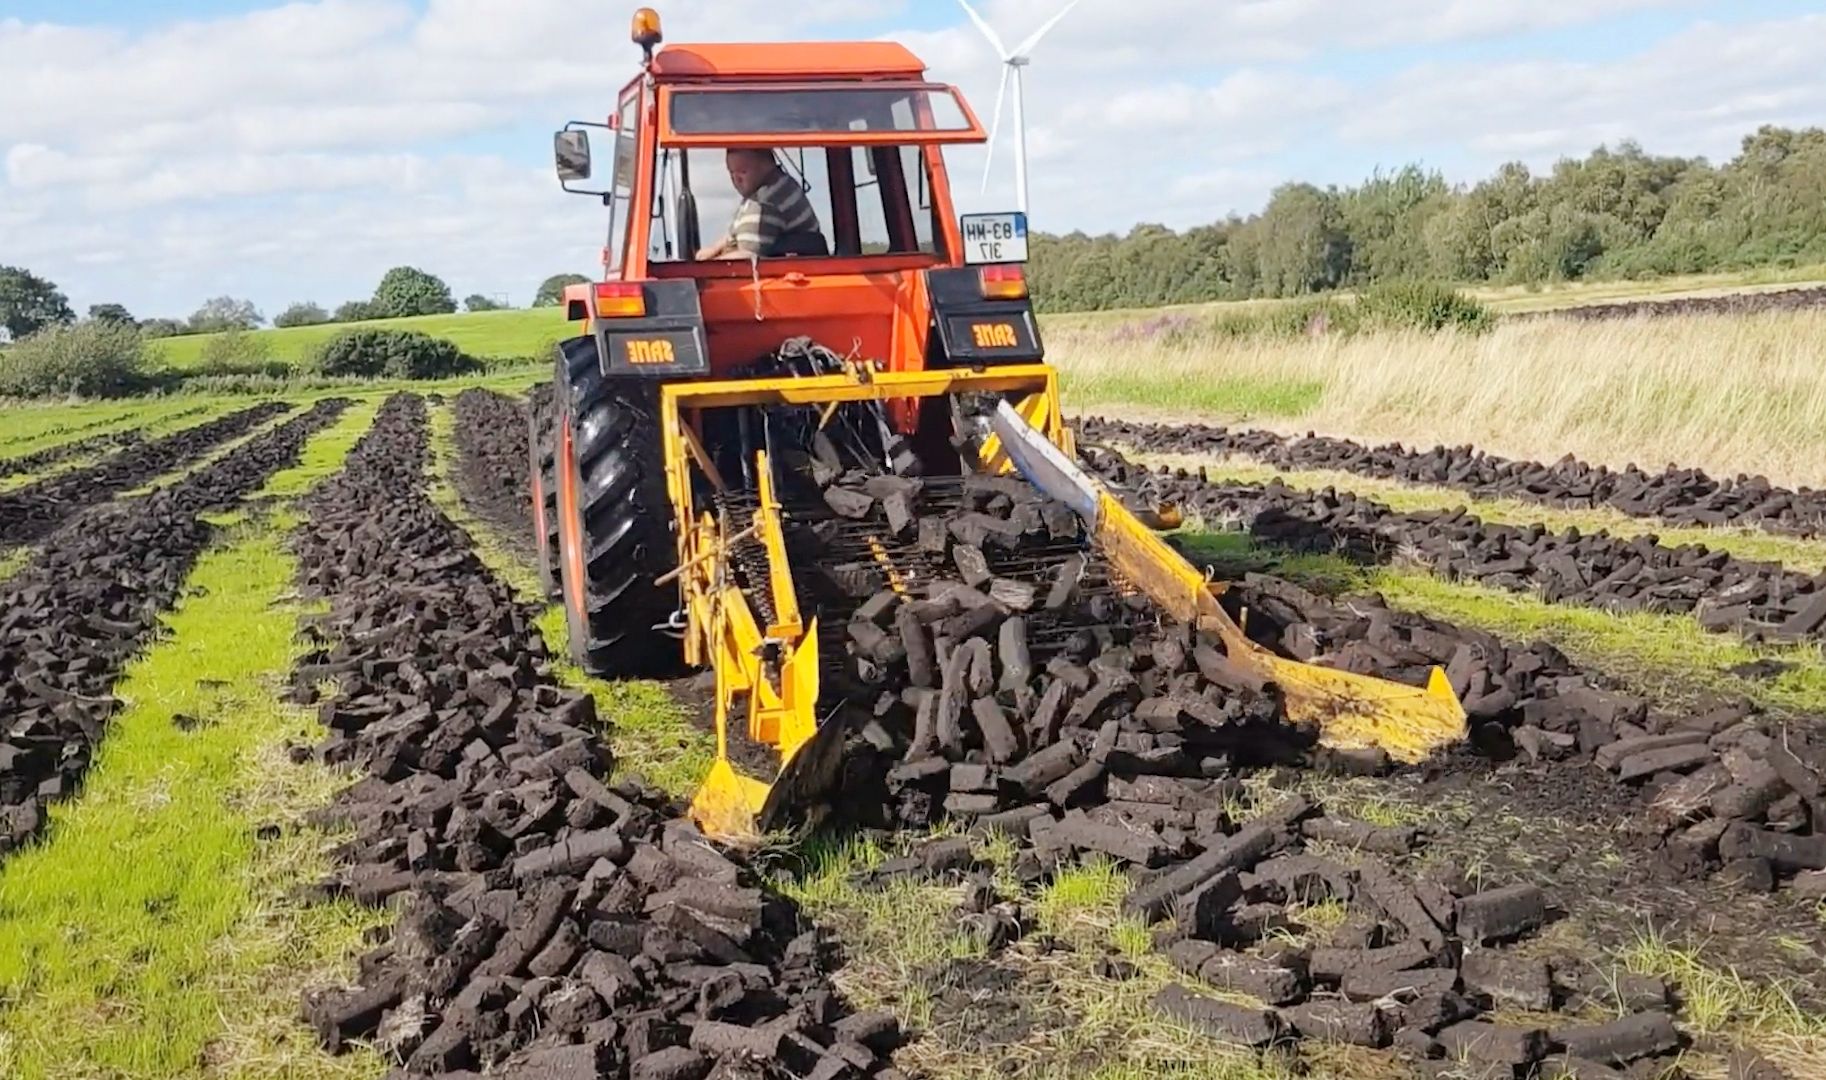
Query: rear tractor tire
[(615, 520)]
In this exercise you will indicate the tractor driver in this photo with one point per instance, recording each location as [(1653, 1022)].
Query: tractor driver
[(774, 218)]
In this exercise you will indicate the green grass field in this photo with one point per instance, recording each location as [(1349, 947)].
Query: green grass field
[(180, 945), (492, 335), (152, 933), (1730, 394), (530, 332), (25, 429)]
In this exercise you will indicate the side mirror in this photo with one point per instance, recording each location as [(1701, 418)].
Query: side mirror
[(571, 150)]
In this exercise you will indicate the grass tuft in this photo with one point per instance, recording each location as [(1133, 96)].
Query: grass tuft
[(11, 561), (1086, 894), (1718, 1001), (1320, 917)]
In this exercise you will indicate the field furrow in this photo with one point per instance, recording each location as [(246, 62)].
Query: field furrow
[(1731, 303), (34, 511), (1746, 543), (1763, 601), (29, 430), (205, 459), (150, 424), (492, 463), (76, 614), (26, 464), (1686, 497)]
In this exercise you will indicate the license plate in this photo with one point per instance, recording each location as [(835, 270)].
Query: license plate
[(994, 238)]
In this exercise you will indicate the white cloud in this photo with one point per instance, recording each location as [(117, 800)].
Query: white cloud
[(299, 151), (1151, 33), (292, 128), (119, 182), (1697, 91)]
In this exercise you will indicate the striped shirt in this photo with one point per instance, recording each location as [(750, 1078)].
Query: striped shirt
[(780, 209)]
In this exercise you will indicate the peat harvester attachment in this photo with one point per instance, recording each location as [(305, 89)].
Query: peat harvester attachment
[(801, 379)]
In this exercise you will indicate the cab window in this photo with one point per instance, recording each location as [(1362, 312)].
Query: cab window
[(868, 200), (768, 111), (876, 201), (621, 209)]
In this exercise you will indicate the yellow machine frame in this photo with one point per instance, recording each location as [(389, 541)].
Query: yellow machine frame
[(773, 669)]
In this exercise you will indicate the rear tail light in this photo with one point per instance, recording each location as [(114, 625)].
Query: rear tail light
[(620, 300), (1003, 283)]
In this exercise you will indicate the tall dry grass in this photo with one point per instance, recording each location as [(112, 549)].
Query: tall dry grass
[(1728, 393)]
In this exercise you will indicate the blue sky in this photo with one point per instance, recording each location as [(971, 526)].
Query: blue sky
[(157, 155)]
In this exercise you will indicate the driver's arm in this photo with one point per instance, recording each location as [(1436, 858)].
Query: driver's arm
[(751, 231)]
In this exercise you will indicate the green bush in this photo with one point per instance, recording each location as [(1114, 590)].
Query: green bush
[(91, 359), (302, 314), (392, 354), (236, 351), (1315, 317), (407, 290), (1422, 305), (164, 328), (239, 384), (354, 311), (551, 290)]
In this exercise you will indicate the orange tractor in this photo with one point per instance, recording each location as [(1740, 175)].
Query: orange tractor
[(706, 377)]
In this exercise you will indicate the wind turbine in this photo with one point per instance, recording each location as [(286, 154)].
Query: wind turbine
[(1013, 62)]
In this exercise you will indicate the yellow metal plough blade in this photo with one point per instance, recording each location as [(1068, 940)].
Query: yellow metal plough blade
[(1360, 712), (781, 696), (1350, 711), (727, 803)]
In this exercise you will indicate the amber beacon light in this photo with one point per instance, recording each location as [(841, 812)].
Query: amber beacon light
[(646, 30)]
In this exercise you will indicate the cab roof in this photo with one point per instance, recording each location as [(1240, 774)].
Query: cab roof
[(799, 60)]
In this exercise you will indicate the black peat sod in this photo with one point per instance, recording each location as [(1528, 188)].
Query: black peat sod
[(35, 510), (555, 920)]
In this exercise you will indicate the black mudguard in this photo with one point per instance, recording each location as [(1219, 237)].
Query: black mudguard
[(974, 332), (666, 343)]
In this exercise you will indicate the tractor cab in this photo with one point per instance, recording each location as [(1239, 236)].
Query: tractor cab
[(880, 272)]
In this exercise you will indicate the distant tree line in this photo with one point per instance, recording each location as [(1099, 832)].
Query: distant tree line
[(29, 303), (1616, 213)]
